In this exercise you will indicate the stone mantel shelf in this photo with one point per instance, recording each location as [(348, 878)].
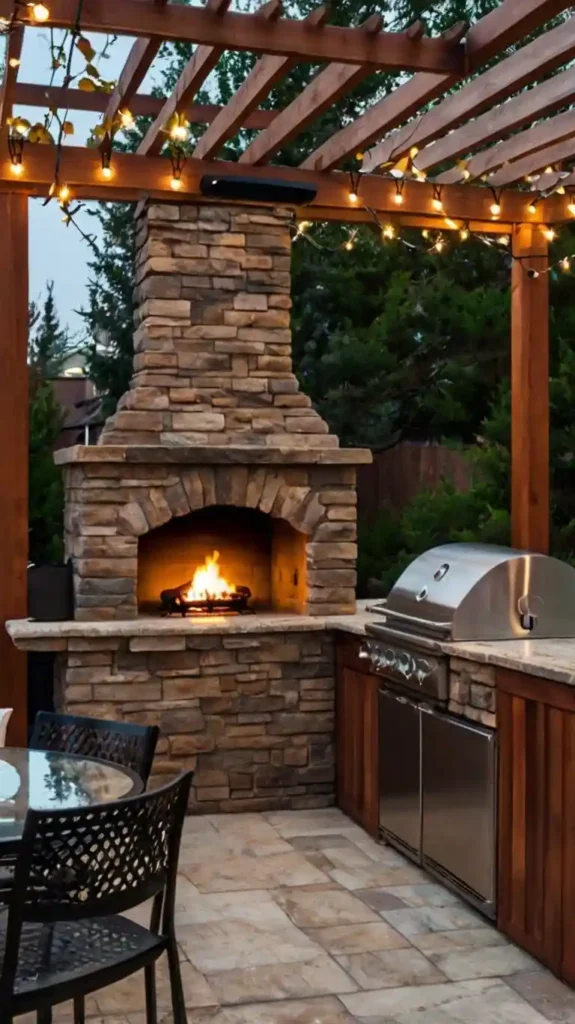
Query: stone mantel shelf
[(212, 455), (28, 634)]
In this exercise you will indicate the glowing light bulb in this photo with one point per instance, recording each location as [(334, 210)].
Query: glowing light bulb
[(464, 234), (180, 133), (39, 12), (425, 233), (14, 62), (439, 245), (550, 234), (127, 119), (348, 245), (303, 225), (548, 170), (413, 152), (532, 208), (388, 231), (495, 209), (437, 205), (17, 169), (107, 173), (64, 194), (566, 264), (465, 174), (353, 197), (176, 184), (398, 199), (571, 209), (561, 190)]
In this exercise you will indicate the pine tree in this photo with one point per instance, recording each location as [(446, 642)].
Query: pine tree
[(49, 343)]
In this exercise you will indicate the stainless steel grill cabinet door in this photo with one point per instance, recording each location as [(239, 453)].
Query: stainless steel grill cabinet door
[(459, 766), (400, 770)]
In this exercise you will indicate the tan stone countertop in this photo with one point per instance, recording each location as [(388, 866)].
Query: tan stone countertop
[(547, 659), (30, 635)]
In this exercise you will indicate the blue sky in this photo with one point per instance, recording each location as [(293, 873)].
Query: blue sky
[(58, 252)]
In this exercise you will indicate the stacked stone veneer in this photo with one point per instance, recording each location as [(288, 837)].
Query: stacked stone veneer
[(472, 691), (110, 504), (252, 715), (213, 341)]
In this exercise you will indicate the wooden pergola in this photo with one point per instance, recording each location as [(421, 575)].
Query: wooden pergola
[(473, 150)]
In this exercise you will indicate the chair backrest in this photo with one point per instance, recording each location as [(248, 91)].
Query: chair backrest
[(94, 861), (5, 716), (124, 743)]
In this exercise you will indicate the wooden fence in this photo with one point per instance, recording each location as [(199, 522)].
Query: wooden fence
[(398, 474)]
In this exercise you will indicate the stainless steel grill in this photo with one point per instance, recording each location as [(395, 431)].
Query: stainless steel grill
[(482, 592), (437, 771)]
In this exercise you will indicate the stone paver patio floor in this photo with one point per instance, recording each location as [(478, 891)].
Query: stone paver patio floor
[(299, 917)]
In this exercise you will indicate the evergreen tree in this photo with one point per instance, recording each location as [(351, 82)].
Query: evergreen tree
[(49, 343)]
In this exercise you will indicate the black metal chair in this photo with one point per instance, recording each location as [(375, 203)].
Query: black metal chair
[(124, 743), (77, 872)]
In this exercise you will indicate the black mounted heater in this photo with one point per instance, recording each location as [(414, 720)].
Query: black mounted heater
[(257, 190)]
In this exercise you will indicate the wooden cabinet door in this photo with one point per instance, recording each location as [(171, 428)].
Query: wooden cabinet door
[(357, 745), (536, 866)]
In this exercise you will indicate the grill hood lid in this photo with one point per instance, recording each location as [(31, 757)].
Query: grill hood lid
[(483, 592)]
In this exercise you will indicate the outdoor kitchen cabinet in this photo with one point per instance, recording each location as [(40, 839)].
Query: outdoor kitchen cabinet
[(536, 858), (357, 778)]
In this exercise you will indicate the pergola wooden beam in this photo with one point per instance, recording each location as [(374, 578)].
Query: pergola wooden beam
[(29, 94), (557, 92), (265, 74), (533, 61), (197, 69), (490, 35), (135, 69), (521, 146), (319, 95), (532, 164), (285, 37), (135, 176), (8, 87)]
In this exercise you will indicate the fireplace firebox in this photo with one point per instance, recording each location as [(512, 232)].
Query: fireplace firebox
[(221, 559)]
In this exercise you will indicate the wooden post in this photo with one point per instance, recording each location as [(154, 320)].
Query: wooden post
[(530, 390), (13, 453)]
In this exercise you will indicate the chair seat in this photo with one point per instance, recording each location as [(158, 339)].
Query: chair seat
[(57, 955)]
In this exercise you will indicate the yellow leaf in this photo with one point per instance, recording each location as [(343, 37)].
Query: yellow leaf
[(85, 47), (92, 70), (99, 131), (68, 128), (34, 134), (86, 85)]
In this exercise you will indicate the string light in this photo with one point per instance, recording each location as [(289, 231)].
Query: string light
[(106, 157), (532, 208), (425, 233), (348, 245), (398, 197), (64, 193), (566, 264), (549, 234), (303, 226), (465, 174), (439, 245), (16, 150), (39, 12), (437, 201), (176, 182), (354, 180), (388, 232), (571, 208), (449, 223), (464, 234), (495, 208), (533, 273), (14, 62)]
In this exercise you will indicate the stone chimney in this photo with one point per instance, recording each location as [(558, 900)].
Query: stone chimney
[(213, 341)]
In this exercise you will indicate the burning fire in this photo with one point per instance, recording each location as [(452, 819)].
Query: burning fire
[(208, 581)]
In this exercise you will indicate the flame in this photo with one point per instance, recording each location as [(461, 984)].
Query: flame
[(208, 582)]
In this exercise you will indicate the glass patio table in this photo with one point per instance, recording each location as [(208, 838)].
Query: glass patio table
[(48, 780)]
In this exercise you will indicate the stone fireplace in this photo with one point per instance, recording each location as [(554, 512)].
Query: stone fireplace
[(214, 463)]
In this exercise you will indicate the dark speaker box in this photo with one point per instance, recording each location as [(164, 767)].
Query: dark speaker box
[(50, 592), (257, 190)]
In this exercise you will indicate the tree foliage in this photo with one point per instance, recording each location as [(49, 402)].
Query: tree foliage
[(48, 345)]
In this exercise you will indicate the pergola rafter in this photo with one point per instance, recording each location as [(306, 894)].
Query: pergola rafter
[(537, 59), (535, 162), (135, 69)]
